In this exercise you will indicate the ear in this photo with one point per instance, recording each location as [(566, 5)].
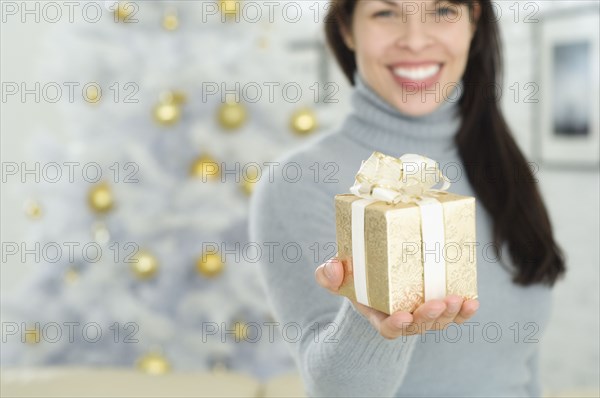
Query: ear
[(347, 37)]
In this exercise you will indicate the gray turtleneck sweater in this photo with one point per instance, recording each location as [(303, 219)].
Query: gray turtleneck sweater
[(337, 351)]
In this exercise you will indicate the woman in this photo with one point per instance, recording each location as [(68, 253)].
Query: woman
[(424, 75)]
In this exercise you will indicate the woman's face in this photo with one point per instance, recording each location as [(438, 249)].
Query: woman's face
[(412, 53)]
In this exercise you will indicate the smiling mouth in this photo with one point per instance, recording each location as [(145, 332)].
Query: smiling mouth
[(417, 73)]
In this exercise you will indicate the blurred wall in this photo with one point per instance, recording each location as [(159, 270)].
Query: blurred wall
[(570, 354)]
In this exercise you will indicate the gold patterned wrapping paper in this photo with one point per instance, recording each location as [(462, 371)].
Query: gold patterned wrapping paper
[(393, 250)]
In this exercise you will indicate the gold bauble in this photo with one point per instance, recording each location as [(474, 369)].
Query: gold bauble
[(153, 363), (173, 96), (303, 121), (144, 265), (71, 276), (33, 209), (210, 264), (231, 115), (100, 233), (32, 334), (100, 198), (170, 21), (167, 113), (248, 186), (205, 168), (92, 95), (229, 8), (249, 180), (123, 10), (240, 331), (168, 110)]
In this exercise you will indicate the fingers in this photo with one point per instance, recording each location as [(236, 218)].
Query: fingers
[(453, 306), (427, 314), (396, 325), (388, 326), (432, 315), (468, 309), (374, 316), (330, 274)]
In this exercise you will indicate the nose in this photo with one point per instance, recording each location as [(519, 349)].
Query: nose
[(413, 35)]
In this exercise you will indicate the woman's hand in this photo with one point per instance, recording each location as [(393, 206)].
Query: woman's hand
[(431, 315)]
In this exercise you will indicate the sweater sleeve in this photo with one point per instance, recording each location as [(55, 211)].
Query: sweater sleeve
[(337, 351)]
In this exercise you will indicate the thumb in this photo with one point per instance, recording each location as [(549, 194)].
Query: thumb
[(334, 271)]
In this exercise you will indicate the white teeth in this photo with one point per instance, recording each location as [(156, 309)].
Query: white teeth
[(419, 73)]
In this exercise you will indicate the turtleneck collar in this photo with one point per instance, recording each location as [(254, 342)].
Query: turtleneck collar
[(378, 125)]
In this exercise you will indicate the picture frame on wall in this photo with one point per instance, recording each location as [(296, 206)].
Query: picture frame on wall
[(568, 117)]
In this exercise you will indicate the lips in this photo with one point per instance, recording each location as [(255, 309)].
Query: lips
[(417, 74)]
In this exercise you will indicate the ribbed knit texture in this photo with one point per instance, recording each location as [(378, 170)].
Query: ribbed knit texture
[(338, 352)]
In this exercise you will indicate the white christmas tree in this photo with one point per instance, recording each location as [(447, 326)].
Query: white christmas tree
[(170, 97)]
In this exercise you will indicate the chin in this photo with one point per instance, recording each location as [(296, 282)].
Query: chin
[(416, 110)]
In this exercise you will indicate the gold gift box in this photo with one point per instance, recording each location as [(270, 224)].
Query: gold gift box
[(393, 242)]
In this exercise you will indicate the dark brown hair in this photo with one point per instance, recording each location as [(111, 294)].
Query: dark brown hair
[(498, 171)]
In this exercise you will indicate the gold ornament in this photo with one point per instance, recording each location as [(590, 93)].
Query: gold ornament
[(205, 168), (240, 331), (210, 264), (33, 209), (168, 110), (33, 334), (231, 115), (153, 363), (303, 121), (170, 20), (100, 198), (144, 265), (123, 10), (249, 180), (229, 8), (100, 233), (92, 95), (71, 276), (167, 114), (248, 187), (174, 96)]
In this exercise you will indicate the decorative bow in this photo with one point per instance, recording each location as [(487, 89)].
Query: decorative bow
[(407, 179)]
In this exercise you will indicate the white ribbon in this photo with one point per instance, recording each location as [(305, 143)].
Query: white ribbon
[(358, 249), (433, 240), (408, 179)]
